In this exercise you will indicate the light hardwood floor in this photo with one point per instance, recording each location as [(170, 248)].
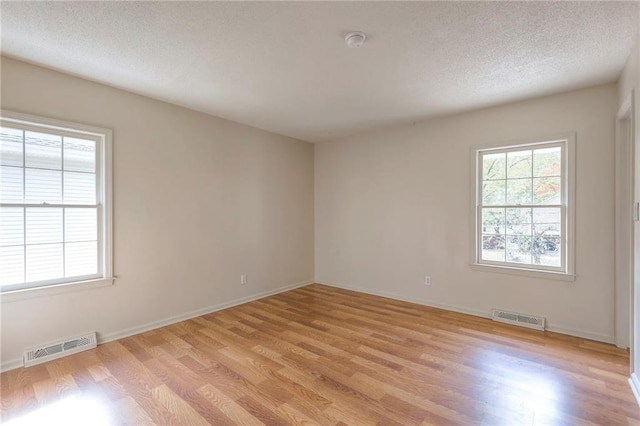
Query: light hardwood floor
[(320, 355)]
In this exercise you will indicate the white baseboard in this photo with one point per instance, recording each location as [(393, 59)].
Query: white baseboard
[(604, 338), (430, 303), (466, 310), (11, 364), (634, 383), (109, 337)]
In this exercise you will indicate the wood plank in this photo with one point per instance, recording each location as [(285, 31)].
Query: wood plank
[(228, 406)]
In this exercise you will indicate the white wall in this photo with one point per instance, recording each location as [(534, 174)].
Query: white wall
[(197, 201), (393, 206), (629, 77)]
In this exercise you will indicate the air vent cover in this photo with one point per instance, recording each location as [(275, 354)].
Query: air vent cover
[(56, 350), (523, 320)]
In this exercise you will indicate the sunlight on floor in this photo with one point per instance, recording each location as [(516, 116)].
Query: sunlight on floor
[(72, 411), (536, 392)]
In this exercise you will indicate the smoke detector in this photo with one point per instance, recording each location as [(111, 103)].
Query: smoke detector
[(355, 39)]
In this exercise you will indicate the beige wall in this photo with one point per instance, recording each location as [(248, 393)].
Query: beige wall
[(393, 206), (197, 201), (629, 77)]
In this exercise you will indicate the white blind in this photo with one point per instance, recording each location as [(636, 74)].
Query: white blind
[(48, 206)]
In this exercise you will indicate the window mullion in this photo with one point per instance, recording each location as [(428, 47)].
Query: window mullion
[(478, 233), (505, 232), (75, 206), (24, 209), (64, 245), (24, 244), (64, 211), (533, 159), (521, 206)]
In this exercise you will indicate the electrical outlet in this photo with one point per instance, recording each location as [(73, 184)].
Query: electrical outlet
[(243, 279), (427, 280)]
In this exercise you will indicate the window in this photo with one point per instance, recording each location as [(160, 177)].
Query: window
[(55, 203), (523, 206)]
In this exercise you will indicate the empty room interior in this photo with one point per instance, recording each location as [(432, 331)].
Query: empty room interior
[(319, 213)]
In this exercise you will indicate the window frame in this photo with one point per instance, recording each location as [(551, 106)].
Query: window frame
[(567, 204), (104, 205)]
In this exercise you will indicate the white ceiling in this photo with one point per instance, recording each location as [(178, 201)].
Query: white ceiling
[(284, 67)]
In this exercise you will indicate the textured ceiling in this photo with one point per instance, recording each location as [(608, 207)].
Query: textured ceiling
[(284, 67)]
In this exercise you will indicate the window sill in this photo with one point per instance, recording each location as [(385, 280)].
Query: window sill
[(548, 275), (51, 290)]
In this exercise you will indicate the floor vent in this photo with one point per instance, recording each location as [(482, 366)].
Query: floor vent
[(530, 321), (46, 353)]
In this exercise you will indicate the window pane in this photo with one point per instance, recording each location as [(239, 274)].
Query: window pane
[(12, 265), (493, 193), (518, 191), (522, 229), (11, 226), (11, 184), (493, 166), (546, 222), (519, 249), (493, 221), (43, 150), (79, 155), (546, 229), (44, 262), (79, 188), (519, 164), (546, 190), (493, 247), (81, 259), (44, 225), (547, 215), (518, 221), (10, 146), (547, 251), (80, 225), (43, 186), (547, 162)]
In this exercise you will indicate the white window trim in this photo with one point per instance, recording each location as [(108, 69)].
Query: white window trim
[(55, 289), (105, 195), (570, 181)]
